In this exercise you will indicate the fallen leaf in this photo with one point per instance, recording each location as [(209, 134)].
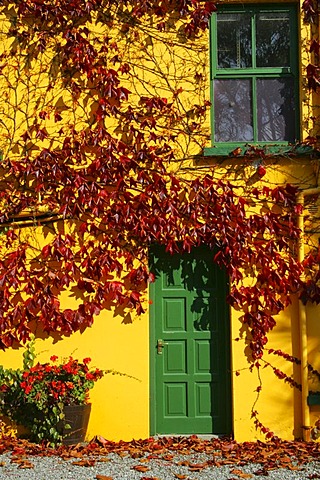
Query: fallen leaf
[(241, 474), (180, 477), (227, 447), (169, 458), (75, 454), (99, 439), (18, 451), (262, 472), (140, 468), (26, 464), (102, 439), (285, 460), (18, 460), (84, 463), (197, 467), (123, 454), (103, 477), (136, 455)]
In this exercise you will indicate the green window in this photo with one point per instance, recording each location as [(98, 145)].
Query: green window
[(254, 78)]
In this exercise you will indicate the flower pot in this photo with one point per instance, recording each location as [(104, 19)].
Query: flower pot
[(314, 399), (77, 416)]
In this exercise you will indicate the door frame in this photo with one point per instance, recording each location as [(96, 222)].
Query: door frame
[(152, 357)]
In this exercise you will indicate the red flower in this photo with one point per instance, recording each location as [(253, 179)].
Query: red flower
[(53, 358), (26, 387), (68, 368), (86, 360)]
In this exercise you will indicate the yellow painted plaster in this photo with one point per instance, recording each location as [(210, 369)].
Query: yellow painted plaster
[(120, 404)]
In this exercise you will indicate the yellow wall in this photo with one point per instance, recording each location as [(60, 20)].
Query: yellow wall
[(120, 405), (277, 403)]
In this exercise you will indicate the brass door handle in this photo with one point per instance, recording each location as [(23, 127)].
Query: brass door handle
[(160, 345)]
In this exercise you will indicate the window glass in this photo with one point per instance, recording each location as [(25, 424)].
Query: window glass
[(233, 110), (273, 39), (255, 75), (234, 40), (275, 109)]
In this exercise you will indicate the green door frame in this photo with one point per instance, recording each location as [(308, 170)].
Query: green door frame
[(152, 363)]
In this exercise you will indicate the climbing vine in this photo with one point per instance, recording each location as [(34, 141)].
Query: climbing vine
[(104, 118), (311, 288)]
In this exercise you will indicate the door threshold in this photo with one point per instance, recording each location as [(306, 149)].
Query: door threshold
[(201, 436)]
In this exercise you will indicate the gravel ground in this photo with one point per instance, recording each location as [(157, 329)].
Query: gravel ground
[(115, 467)]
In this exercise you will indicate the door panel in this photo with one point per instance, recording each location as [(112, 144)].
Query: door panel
[(190, 356)]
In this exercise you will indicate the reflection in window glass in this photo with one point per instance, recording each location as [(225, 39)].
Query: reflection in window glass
[(234, 40), (273, 39), (254, 75), (276, 115), (233, 110)]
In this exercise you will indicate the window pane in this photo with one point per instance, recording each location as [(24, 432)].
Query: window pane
[(276, 112), (273, 39), (233, 110), (234, 40)]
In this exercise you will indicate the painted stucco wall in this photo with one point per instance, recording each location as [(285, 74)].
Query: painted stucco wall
[(120, 404)]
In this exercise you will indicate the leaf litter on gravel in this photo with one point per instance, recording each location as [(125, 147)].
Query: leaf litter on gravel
[(223, 452)]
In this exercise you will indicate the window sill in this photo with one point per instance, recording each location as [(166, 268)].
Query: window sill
[(241, 150)]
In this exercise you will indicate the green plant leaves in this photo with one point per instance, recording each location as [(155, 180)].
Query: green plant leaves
[(35, 396)]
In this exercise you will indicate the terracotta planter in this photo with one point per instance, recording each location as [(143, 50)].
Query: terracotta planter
[(77, 416)]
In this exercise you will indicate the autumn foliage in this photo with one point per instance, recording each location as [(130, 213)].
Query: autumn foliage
[(179, 454), (92, 164)]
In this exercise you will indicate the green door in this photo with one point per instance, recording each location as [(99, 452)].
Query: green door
[(190, 345)]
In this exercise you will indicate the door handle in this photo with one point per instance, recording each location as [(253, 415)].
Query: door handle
[(160, 345)]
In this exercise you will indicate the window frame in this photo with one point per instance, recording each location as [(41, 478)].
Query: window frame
[(226, 148)]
